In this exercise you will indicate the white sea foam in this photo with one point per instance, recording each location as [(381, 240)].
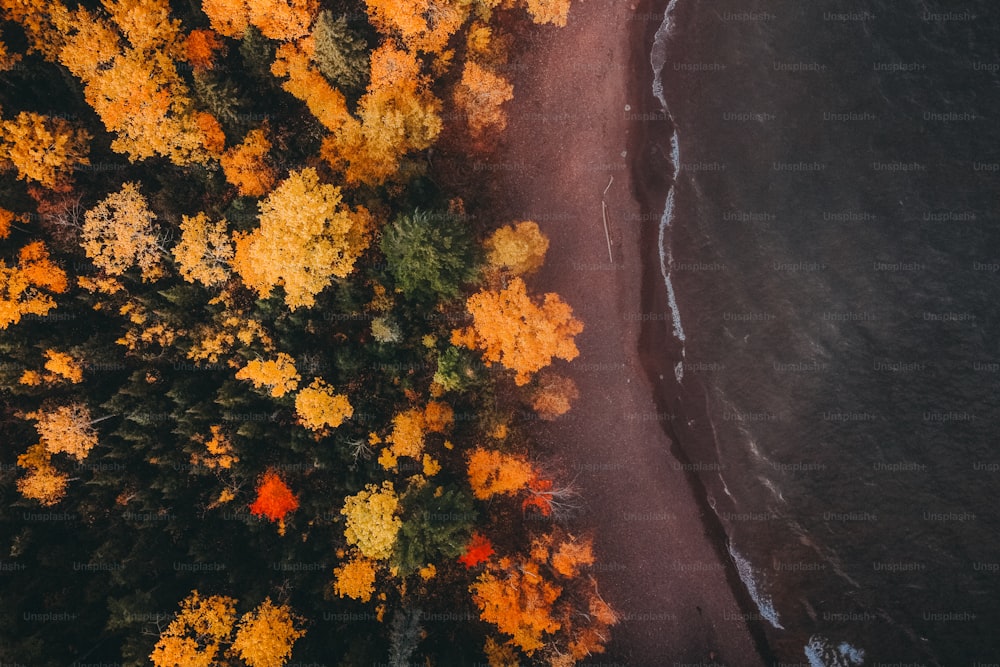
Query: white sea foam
[(820, 652), (658, 58), (763, 602)]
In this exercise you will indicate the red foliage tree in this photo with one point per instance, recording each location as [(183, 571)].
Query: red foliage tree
[(478, 551), (274, 499)]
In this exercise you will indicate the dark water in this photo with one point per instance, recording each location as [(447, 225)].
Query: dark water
[(834, 248)]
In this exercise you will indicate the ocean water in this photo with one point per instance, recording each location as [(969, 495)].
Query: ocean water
[(831, 254)]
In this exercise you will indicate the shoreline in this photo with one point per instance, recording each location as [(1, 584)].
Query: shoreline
[(577, 136)]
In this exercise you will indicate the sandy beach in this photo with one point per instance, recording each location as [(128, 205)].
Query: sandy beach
[(575, 124)]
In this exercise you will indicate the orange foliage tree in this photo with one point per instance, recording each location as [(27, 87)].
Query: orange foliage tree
[(118, 234), (294, 60), (492, 473), (246, 167), (480, 96), (196, 636), (277, 375), (538, 600), (43, 482), (43, 149), (130, 79), (20, 285), (201, 47), (517, 331), (276, 19), (397, 115), (355, 579), (423, 25), (305, 239)]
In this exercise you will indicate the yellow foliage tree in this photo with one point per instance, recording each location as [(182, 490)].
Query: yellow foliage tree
[(521, 334), (43, 149), (266, 635), (397, 115), (372, 524), (20, 285), (492, 473), (318, 407), (355, 579), (480, 95), (305, 239), (67, 428), (204, 251), (196, 635), (548, 11), (294, 60), (118, 234), (519, 249), (43, 482), (277, 375), (246, 167)]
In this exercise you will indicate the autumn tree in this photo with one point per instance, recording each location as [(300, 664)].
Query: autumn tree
[(295, 62), (20, 285), (277, 375), (519, 249), (197, 634), (409, 428), (42, 148), (397, 115), (495, 473), (480, 95), (219, 451), (127, 66), (548, 11), (201, 47), (541, 600), (306, 238), (355, 578), (60, 366), (67, 428), (477, 551), (43, 482), (118, 234), (429, 254), (372, 524), (519, 332), (319, 407), (246, 165), (265, 636), (554, 395), (204, 251), (423, 25)]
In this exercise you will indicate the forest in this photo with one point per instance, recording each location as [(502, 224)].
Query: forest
[(269, 381)]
